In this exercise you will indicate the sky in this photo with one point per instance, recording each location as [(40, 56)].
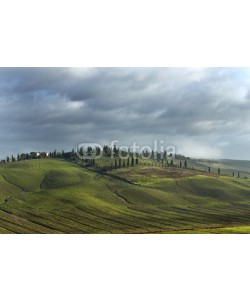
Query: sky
[(202, 112)]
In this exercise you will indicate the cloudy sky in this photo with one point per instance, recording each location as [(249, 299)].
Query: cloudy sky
[(203, 112)]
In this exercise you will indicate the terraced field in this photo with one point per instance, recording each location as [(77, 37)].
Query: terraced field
[(57, 196)]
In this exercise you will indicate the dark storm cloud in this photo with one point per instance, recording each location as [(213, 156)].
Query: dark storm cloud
[(46, 108)]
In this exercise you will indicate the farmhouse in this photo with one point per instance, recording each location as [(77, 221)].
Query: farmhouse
[(39, 154)]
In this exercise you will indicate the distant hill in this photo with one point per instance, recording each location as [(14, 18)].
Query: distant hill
[(243, 165), (226, 166)]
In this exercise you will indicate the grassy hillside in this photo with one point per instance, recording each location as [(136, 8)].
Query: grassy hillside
[(56, 196)]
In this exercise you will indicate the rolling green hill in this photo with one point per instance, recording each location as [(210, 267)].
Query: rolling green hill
[(58, 196)]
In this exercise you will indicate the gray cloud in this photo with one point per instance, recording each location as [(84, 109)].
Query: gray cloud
[(204, 112)]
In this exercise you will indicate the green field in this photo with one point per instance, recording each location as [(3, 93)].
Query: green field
[(58, 196)]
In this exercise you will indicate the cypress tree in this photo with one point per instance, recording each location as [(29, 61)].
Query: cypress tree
[(185, 164), (165, 155)]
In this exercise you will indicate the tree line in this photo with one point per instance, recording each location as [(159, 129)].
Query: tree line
[(120, 159)]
